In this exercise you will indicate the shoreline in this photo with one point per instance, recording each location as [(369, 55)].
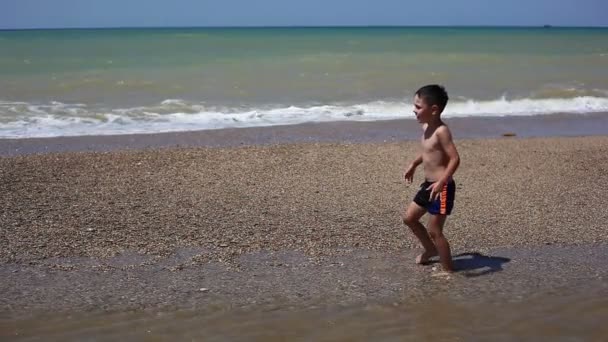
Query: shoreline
[(554, 125), (292, 281)]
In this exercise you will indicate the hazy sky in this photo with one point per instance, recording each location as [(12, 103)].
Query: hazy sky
[(120, 13)]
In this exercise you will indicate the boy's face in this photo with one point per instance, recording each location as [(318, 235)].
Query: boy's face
[(424, 112)]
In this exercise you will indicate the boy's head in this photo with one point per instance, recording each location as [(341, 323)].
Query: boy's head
[(429, 102)]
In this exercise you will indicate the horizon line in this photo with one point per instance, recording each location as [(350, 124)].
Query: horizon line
[(542, 26)]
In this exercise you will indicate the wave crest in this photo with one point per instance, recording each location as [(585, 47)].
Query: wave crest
[(25, 120)]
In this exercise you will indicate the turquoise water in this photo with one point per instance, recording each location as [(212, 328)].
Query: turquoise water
[(113, 81)]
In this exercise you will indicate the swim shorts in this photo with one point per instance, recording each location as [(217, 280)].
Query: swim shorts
[(442, 205)]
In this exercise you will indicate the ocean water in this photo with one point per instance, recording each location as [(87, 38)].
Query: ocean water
[(120, 81)]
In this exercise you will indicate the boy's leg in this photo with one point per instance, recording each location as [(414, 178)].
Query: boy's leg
[(411, 218), (436, 223)]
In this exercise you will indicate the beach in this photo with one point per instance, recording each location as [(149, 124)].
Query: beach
[(293, 225), (247, 184), (266, 197)]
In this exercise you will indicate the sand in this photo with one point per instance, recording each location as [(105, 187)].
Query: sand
[(93, 218), (308, 197)]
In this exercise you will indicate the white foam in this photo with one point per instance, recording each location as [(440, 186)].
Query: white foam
[(504, 107), (24, 120)]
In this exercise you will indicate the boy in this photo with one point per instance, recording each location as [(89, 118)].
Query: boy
[(440, 160)]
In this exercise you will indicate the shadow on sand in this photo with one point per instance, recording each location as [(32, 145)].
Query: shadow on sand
[(475, 264)]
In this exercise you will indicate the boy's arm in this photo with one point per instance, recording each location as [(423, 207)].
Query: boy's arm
[(416, 161), (408, 174), (446, 142), (445, 139)]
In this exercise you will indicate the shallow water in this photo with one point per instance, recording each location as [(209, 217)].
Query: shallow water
[(549, 293), (576, 316)]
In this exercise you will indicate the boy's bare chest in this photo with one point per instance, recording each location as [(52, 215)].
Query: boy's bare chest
[(429, 144)]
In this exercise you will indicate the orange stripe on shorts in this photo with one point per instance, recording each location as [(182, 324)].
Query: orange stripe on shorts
[(443, 200)]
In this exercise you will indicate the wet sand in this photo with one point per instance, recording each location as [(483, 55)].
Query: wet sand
[(359, 295), (293, 225)]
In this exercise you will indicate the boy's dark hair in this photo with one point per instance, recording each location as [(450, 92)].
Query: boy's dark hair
[(434, 94)]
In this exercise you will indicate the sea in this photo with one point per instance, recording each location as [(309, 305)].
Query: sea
[(73, 82)]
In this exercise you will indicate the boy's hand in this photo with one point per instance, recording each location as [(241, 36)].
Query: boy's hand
[(435, 190), (408, 175)]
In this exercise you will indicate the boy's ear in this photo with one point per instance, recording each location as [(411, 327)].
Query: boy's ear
[(435, 109)]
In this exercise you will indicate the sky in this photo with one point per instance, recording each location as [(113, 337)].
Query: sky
[(19, 14)]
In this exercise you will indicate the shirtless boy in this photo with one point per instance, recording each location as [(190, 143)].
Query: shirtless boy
[(440, 160)]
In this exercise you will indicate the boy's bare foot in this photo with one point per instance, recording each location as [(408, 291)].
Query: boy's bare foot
[(424, 258), (441, 269), (443, 274)]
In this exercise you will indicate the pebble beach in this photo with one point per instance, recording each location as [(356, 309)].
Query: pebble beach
[(291, 225)]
